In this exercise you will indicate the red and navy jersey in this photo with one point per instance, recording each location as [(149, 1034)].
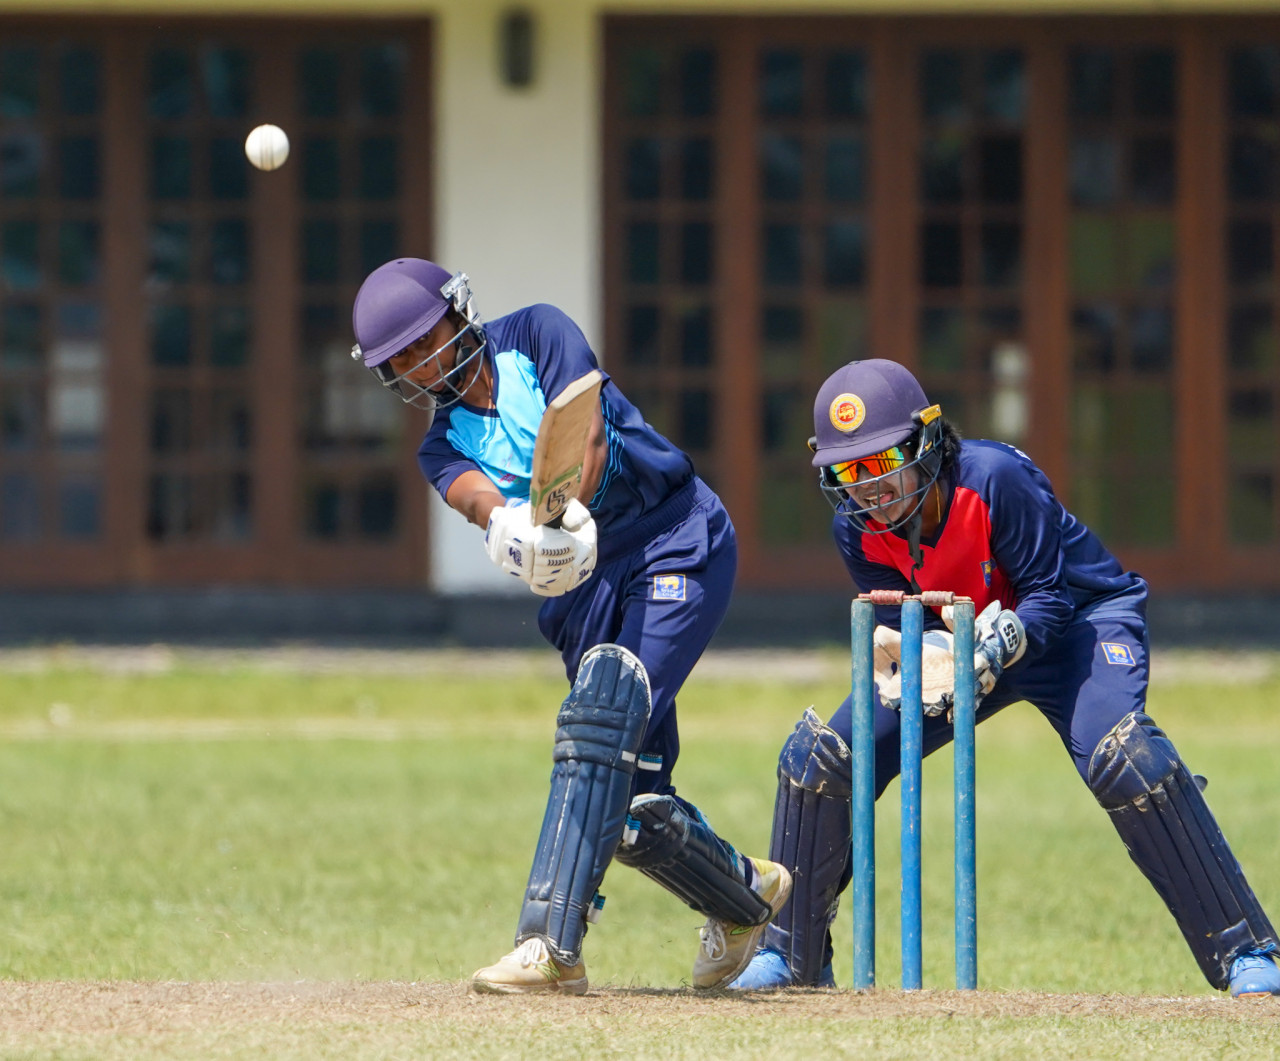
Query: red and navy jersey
[(1003, 536)]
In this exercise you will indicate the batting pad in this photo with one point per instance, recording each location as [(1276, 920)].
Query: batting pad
[(812, 835), (677, 848), (600, 727), (1170, 833)]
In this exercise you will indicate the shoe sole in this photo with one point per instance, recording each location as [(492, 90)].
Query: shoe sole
[(563, 987), (1255, 994), (753, 941)]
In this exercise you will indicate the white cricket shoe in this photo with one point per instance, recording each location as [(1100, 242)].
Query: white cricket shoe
[(529, 969), (727, 947)]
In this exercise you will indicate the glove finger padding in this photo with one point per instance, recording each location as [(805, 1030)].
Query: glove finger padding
[(568, 553), (1001, 641), (937, 671), (509, 537), (886, 654)]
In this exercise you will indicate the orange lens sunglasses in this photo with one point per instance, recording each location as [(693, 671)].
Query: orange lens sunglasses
[(878, 464)]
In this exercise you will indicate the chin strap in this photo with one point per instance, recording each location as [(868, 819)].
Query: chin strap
[(914, 525)]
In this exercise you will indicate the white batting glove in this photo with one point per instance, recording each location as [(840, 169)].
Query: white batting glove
[(937, 669), (565, 557), (509, 537)]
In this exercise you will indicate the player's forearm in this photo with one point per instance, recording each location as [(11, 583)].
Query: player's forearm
[(475, 497)]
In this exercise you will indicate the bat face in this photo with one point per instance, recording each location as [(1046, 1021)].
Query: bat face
[(560, 450)]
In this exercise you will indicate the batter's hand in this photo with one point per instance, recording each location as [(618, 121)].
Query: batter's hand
[(565, 557)]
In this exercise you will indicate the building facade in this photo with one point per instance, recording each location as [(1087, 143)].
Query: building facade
[(1066, 223)]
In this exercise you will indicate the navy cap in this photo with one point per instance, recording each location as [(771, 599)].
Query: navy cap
[(863, 408), (397, 304)]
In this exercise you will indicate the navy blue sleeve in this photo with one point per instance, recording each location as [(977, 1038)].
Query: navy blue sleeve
[(439, 462), (557, 347), (1026, 544)]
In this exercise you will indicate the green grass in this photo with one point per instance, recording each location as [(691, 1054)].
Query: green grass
[(247, 825)]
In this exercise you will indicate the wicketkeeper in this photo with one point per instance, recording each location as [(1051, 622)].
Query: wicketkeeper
[(1061, 625), (636, 580)]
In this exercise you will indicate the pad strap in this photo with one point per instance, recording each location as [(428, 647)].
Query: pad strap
[(669, 841), (812, 834), (600, 727), (1156, 806)]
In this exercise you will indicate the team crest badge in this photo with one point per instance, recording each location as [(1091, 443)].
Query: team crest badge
[(668, 587), (1120, 655), (988, 569), (847, 412)]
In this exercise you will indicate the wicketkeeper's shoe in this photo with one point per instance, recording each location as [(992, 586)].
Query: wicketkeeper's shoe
[(768, 971), (529, 969), (1255, 976), (726, 946)]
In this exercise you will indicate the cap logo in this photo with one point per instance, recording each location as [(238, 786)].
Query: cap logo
[(847, 412)]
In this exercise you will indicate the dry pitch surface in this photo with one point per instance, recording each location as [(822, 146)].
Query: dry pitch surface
[(391, 1020)]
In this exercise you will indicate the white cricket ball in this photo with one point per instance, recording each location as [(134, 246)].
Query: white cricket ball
[(267, 147)]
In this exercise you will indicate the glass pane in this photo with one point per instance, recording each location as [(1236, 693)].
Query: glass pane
[(19, 82), (1093, 338), (379, 242), (376, 507), (1252, 338), (319, 82), (382, 69), (941, 255), (1151, 329), (1251, 422), (784, 420), (782, 167), (227, 75), (20, 255), (1095, 170), (229, 337), (1000, 162), (695, 420), (782, 342), (321, 250), (942, 168), (642, 176), (642, 81), (846, 85), (170, 167), (21, 414), (228, 169), (696, 264), (1095, 253), (942, 85), (844, 254), (1092, 80), (22, 161), (229, 251), (846, 169), (1250, 253), (19, 507), (170, 421), (842, 333), (1254, 81), (642, 252), (79, 82), (324, 509), (642, 335), (171, 335), (23, 338), (1001, 248), (170, 512), (1154, 84), (781, 83), (379, 168), (171, 88), (942, 340), (1251, 508), (230, 420), (79, 507), (1251, 169), (698, 82), (321, 169), (783, 255), (78, 252), (696, 343), (1004, 87), (1152, 246), (1154, 169), (696, 169), (170, 252)]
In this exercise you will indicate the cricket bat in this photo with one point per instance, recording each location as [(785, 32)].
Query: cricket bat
[(561, 448)]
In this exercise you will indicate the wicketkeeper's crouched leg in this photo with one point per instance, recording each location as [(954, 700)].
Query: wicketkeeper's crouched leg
[(600, 727), (1157, 808)]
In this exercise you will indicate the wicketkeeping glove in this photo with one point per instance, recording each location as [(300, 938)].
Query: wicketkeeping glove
[(937, 669), (1000, 641)]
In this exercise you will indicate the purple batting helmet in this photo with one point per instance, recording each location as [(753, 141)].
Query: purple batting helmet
[(864, 408), (396, 305)]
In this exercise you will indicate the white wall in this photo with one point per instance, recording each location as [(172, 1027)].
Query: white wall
[(517, 192)]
